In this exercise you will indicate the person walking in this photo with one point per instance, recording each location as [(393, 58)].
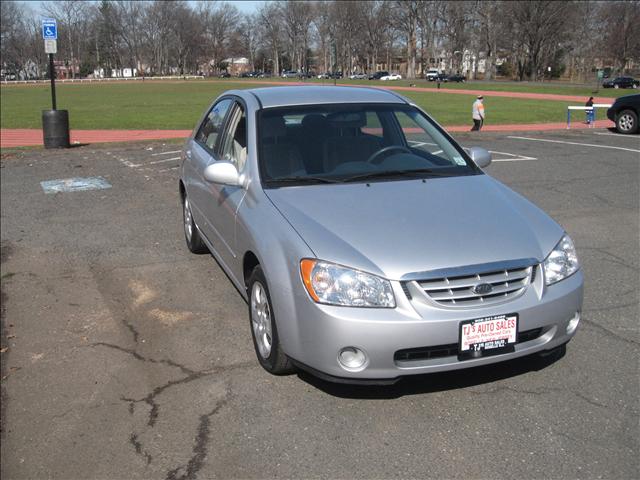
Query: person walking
[(590, 113), (478, 114)]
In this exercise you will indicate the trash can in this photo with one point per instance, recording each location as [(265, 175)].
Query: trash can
[(55, 128)]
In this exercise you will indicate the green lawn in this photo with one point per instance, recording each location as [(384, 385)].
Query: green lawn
[(179, 104)]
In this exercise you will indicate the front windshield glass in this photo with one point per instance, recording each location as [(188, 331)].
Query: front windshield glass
[(351, 143)]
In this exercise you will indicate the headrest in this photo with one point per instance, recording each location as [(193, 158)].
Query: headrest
[(273, 127), (315, 121), (348, 119)]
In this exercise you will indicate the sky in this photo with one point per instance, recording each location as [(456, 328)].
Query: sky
[(245, 6)]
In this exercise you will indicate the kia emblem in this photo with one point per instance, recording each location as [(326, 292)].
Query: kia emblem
[(482, 289)]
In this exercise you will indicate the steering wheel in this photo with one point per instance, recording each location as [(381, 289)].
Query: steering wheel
[(386, 150)]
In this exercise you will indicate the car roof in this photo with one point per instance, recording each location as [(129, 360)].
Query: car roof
[(319, 95)]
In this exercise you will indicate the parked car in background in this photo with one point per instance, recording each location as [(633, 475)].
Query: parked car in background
[(378, 75), (456, 78), (357, 76), (432, 74), (442, 77), (625, 112), (289, 74), (391, 76), (367, 242), (621, 82), (224, 75)]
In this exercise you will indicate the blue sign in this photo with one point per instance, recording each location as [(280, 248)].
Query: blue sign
[(49, 29)]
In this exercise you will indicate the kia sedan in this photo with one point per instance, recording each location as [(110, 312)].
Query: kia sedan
[(368, 243)]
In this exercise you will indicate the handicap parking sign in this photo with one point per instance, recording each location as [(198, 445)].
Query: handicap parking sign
[(49, 29)]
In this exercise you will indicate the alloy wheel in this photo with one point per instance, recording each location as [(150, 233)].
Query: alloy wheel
[(188, 220), (261, 319)]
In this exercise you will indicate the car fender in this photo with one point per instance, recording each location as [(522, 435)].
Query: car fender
[(263, 230)]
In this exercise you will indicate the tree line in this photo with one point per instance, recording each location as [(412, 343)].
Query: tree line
[(517, 39)]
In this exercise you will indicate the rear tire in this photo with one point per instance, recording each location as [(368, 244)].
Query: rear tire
[(264, 331), (627, 121), (191, 232)]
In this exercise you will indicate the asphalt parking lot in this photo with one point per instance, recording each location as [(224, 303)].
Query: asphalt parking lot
[(128, 357)]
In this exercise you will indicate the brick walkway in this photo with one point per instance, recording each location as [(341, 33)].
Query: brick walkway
[(26, 137)]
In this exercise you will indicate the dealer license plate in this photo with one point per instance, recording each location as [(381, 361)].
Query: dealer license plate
[(488, 335)]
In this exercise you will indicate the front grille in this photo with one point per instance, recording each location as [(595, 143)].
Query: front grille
[(450, 350), (458, 291)]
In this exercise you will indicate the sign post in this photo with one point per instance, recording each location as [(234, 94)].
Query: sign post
[(50, 37), (55, 123)]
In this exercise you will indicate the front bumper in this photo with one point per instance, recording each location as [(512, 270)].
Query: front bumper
[(322, 331)]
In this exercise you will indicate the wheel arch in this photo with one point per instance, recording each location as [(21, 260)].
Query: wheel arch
[(249, 262)]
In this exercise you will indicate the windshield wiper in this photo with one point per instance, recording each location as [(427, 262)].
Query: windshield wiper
[(397, 173), (305, 179)]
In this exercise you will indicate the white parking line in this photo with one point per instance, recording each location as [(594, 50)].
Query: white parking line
[(630, 137), (165, 153), (575, 143), (163, 161), (512, 157)]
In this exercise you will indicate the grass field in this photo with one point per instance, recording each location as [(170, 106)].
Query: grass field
[(555, 88), (178, 104)]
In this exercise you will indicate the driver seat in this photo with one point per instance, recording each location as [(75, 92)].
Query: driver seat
[(349, 144)]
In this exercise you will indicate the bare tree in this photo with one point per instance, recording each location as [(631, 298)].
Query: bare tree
[(322, 22), (488, 14), (620, 31), (271, 27), (73, 18), (406, 14), (375, 24), (248, 35), (220, 21), (297, 16), (537, 26)]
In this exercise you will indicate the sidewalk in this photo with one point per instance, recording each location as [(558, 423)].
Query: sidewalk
[(25, 137)]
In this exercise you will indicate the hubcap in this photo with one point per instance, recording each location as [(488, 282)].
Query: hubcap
[(626, 122), (261, 319), (188, 221)]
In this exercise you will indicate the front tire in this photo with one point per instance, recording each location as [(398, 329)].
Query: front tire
[(627, 122), (263, 326), (191, 232)]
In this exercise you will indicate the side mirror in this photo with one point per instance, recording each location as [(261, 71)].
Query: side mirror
[(480, 156), (222, 172)]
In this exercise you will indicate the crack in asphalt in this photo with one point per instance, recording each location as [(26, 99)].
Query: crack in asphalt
[(196, 462), (150, 398), (539, 392), (609, 333), (133, 440), (506, 388), (142, 358), (615, 259)]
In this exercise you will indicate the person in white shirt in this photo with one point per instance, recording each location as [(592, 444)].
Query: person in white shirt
[(478, 114)]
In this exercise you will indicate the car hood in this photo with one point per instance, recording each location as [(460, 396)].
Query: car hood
[(394, 228)]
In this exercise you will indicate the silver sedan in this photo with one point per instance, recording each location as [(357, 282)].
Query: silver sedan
[(369, 244)]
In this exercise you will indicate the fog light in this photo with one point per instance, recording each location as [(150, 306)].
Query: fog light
[(352, 359), (573, 323)]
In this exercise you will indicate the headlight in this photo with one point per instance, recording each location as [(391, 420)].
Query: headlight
[(337, 285), (561, 262)]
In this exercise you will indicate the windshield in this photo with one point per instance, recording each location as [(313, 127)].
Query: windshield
[(351, 143)]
